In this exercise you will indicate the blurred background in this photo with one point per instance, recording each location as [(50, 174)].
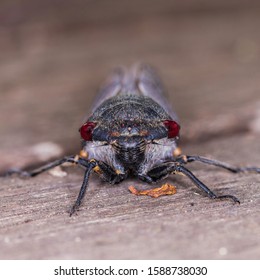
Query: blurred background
[(55, 53)]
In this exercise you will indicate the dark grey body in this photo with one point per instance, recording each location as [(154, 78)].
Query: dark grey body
[(132, 129), (129, 113)]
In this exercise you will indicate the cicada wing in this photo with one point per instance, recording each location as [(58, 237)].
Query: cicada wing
[(112, 86), (141, 79), (150, 84)]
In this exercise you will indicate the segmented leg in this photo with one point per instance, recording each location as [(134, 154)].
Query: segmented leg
[(186, 159), (48, 166), (90, 165), (202, 186), (106, 172), (168, 168)]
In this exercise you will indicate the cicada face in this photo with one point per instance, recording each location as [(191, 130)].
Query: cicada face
[(130, 131)]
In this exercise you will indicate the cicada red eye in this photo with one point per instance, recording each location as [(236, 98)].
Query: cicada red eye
[(86, 130), (173, 128)]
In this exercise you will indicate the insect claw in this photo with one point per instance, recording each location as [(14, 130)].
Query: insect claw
[(235, 200), (73, 209)]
